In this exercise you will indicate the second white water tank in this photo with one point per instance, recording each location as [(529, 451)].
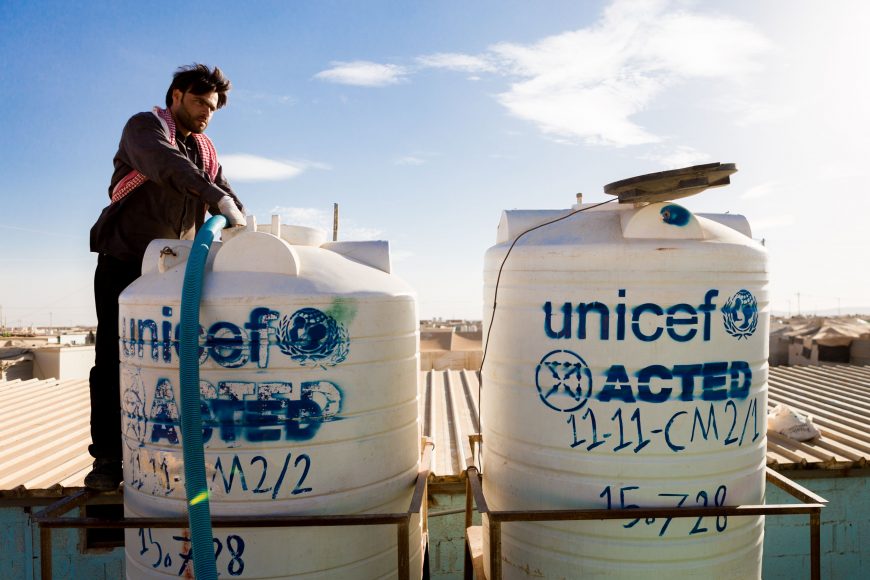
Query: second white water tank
[(627, 366)]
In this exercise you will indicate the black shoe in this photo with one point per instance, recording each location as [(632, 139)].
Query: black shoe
[(105, 476)]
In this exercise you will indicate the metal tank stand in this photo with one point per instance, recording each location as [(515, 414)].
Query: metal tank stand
[(53, 517), (474, 556)]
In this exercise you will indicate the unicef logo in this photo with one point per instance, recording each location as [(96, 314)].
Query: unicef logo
[(564, 381), (740, 314), (311, 336)]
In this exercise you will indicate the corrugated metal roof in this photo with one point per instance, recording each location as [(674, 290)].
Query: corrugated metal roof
[(44, 425), (44, 436), (449, 417), (837, 398)]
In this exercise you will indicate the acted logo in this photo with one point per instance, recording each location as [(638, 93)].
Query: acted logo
[(564, 380), (565, 383)]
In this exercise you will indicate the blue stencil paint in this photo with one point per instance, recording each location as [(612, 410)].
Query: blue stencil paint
[(564, 380), (646, 322), (235, 410), (740, 314), (710, 381), (311, 336), (308, 336), (565, 331), (675, 215), (164, 413)]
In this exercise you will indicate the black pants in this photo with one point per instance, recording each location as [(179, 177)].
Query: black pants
[(110, 279)]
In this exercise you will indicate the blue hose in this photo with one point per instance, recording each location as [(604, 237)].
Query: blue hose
[(198, 512)]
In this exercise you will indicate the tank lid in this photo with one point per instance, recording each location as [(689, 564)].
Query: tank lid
[(671, 185)]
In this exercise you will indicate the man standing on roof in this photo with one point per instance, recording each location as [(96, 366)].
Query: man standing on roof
[(166, 177)]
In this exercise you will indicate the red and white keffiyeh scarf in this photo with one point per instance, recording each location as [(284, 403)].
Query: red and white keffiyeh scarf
[(206, 151)]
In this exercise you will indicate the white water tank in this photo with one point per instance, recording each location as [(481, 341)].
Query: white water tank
[(309, 362), (627, 366)]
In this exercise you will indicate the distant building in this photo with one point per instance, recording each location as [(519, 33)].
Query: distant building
[(456, 324), (41, 357), (450, 344), (16, 362), (815, 340)]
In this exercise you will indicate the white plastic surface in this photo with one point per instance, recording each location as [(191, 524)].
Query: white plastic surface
[(734, 221), (374, 253), (309, 390), (295, 235), (627, 366), (258, 252)]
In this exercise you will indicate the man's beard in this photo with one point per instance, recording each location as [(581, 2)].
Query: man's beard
[(187, 123)]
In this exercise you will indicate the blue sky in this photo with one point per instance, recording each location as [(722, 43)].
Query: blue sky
[(425, 120)]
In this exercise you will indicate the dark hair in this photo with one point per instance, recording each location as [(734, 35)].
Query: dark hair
[(199, 80)]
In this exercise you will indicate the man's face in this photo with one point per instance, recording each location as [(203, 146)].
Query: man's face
[(193, 112)]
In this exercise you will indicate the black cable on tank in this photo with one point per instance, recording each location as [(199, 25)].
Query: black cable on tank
[(495, 301)]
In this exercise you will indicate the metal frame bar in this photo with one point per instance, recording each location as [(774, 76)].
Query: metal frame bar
[(474, 496), (53, 517)]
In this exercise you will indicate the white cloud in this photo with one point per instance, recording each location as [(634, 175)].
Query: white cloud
[(589, 83), (760, 190), (351, 231), (696, 45), (263, 97), (456, 61), (751, 112), (245, 167), (304, 216), (363, 73), (400, 255), (321, 219), (676, 157), (408, 160), (307, 163), (773, 222), (839, 170)]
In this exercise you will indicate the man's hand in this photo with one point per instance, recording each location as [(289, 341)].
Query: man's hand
[(228, 209)]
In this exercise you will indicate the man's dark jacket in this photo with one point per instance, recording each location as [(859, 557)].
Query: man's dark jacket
[(170, 204)]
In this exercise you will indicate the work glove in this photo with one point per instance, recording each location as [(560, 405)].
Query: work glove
[(228, 209)]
